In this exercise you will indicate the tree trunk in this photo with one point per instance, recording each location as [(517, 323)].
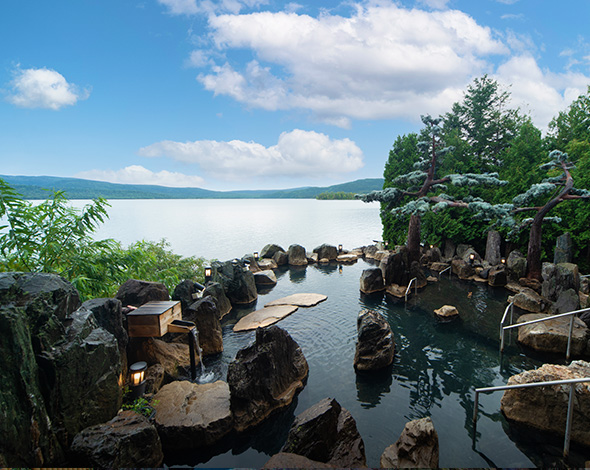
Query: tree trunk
[(413, 243)]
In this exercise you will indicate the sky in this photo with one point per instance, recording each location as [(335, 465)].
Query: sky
[(263, 94)]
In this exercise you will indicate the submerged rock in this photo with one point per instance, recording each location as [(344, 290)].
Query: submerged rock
[(265, 376), (447, 312), (375, 347), (128, 440), (417, 447), (327, 433), (264, 317)]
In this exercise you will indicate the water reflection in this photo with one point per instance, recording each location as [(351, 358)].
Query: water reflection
[(372, 386), (297, 274)]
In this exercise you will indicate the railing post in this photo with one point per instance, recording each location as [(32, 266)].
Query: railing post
[(569, 338), (568, 423), (475, 409), (502, 339)]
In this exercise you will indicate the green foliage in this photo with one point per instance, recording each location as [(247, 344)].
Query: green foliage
[(54, 237), (335, 195), (140, 405)]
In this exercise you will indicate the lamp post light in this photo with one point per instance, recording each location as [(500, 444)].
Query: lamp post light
[(137, 374), (339, 248), (503, 260), (256, 255), (471, 258), (208, 274)]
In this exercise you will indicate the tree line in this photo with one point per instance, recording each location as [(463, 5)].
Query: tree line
[(485, 165)]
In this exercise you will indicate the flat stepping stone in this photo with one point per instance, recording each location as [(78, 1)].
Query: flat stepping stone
[(300, 300), (264, 317)]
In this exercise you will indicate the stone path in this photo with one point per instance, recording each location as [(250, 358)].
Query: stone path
[(299, 300)]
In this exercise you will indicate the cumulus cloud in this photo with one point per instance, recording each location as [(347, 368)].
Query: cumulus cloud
[(297, 153), (383, 61), (193, 7), (540, 92), (43, 88), (137, 174), (437, 4)]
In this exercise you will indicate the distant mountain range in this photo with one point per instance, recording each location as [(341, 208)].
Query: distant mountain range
[(36, 187)]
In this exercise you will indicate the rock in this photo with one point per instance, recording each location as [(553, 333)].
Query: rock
[(417, 447), (297, 255), (108, 315), (267, 263), (493, 248), (204, 314), (585, 285), (380, 255), (568, 301), (187, 292), (299, 300), (545, 408), (252, 262), (563, 249), (533, 284), (288, 460), (516, 265), (468, 253), (497, 276), (190, 416), (82, 375), (265, 376), (238, 282), (484, 273), (325, 251), (431, 279), (396, 291), (371, 281), (438, 267), (449, 251), (327, 433), (447, 312), (136, 293), (395, 268), (369, 251), (154, 378), (281, 258), (126, 441), (312, 258), (265, 278), (462, 249), (375, 347), (558, 278), (462, 269), (347, 258), (264, 317), (528, 300), (174, 357), (551, 336), (269, 250), (584, 298), (215, 290), (432, 255)]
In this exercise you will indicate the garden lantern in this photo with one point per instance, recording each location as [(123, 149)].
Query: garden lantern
[(208, 274), (339, 248), (256, 255), (137, 373)]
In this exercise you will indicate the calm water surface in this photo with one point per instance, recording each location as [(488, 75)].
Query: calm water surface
[(437, 365)]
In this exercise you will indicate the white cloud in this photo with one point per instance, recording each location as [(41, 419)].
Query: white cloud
[(541, 92), (382, 62), (193, 7), (137, 174), (43, 88), (436, 4), (297, 153)]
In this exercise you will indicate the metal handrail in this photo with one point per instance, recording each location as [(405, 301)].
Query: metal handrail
[(448, 268), (570, 408), (410, 287), (571, 314), (511, 308)]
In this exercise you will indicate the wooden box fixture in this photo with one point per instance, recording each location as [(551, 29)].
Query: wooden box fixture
[(154, 319)]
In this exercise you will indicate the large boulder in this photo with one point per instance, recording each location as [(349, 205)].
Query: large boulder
[(265, 376), (563, 252), (187, 292), (493, 248), (215, 290), (395, 268), (371, 281), (237, 281), (269, 250), (281, 258), (463, 269), (326, 251), (174, 357), (288, 460), (297, 255), (128, 440), (558, 278), (375, 347), (190, 415), (327, 433), (135, 292), (527, 299), (497, 276), (265, 278), (545, 408), (568, 301), (203, 313), (417, 447), (516, 265), (551, 336), (447, 312)]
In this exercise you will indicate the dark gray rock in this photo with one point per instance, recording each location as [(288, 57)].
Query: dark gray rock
[(326, 251), (497, 276), (204, 314), (269, 250), (327, 433), (135, 292), (568, 301), (563, 249), (558, 278), (126, 441), (281, 258), (450, 249), (417, 447), (462, 268), (237, 281), (371, 281), (215, 290), (516, 265), (431, 255), (493, 248), (297, 255), (288, 460), (370, 251), (375, 347), (154, 378), (187, 292), (265, 278), (265, 376), (396, 268)]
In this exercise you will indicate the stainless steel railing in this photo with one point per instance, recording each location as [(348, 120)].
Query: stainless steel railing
[(444, 271), (413, 281), (570, 407)]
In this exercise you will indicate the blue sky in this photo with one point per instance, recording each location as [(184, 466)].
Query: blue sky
[(253, 94)]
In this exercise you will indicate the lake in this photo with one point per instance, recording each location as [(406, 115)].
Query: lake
[(437, 365)]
